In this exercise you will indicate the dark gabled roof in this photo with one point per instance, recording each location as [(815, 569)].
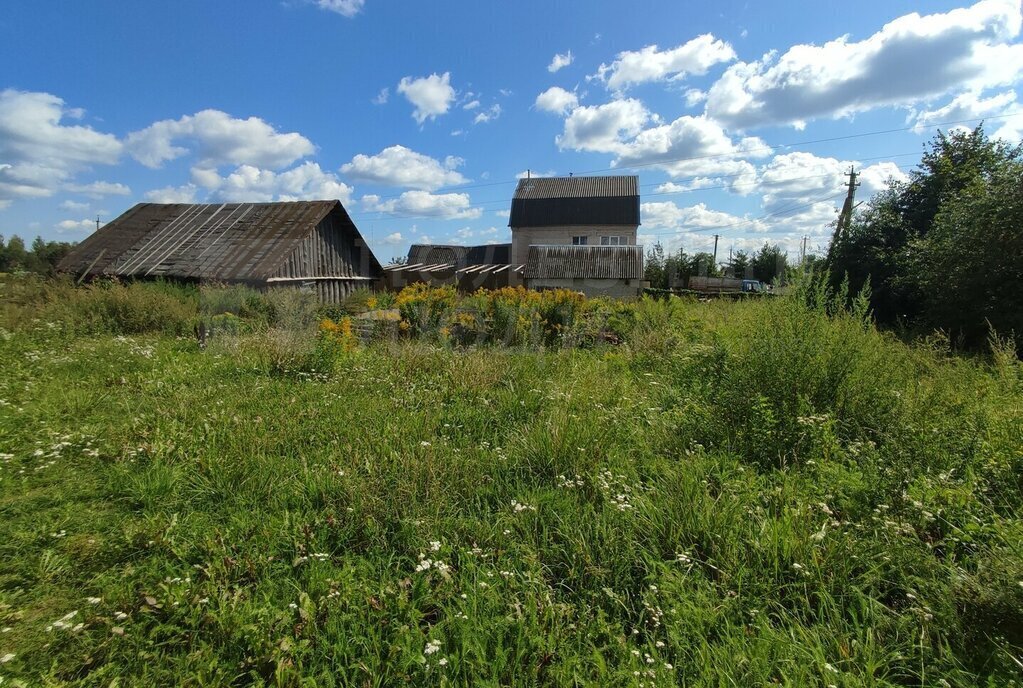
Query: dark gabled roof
[(221, 241), (590, 262), (461, 256), (578, 187), (558, 201)]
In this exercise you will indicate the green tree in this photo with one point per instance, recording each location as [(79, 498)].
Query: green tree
[(45, 255), (42, 258), (769, 263), (739, 264), (967, 269), (15, 255), (702, 264), (654, 268), (942, 249)]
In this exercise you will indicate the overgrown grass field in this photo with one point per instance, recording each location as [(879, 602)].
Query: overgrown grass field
[(720, 494)]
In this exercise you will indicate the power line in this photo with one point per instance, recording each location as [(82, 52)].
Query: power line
[(739, 153), (745, 221), (382, 215)]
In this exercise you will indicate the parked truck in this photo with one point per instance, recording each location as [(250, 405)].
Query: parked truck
[(725, 285)]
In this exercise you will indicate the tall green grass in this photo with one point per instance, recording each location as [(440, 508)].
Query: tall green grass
[(753, 493)]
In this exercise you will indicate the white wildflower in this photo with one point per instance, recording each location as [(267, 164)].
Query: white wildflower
[(431, 647)]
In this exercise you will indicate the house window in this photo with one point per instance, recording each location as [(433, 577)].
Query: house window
[(614, 241), (579, 240)]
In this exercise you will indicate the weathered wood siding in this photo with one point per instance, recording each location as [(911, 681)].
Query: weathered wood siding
[(332, 260), (332, 250)]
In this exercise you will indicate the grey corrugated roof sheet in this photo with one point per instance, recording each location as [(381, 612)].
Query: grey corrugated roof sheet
[(612, 186), (462, 256), (559, 201), (589, 262), (221, 241)]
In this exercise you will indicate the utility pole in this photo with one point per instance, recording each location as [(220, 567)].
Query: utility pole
[(845, 217), (802, 255), (714, 262)]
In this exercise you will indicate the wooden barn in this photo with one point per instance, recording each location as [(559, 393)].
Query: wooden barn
[(305, 244)]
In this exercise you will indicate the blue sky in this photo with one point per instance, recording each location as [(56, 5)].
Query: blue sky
[(738, 117)]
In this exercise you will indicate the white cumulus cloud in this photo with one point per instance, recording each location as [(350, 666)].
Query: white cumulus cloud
[(488, 115), (447, 206), (603, 128), (346, 8), (800, 177), (688, 146), (431, 95), (74, 206), (560, 61), (218, 139), (248, 183), (695, 146), (39, 152), (668, 215), (1003, 109), (911, 59), (173, 194), (99, 189), (400, 166), (76, 226), (652, 64), (557, 100)]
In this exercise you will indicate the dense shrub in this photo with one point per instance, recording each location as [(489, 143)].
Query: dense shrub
[(513, 316), (103, 306)]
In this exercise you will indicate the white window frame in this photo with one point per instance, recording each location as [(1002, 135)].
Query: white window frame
[(614, 241), (581, 240)]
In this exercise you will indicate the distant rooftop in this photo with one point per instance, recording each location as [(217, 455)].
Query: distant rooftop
[(461, 256), (578, 187), (561, 201)]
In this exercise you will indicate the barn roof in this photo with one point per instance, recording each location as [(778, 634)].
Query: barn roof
[(461, 256), (558, 201), (221, 241), (590, 262)]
